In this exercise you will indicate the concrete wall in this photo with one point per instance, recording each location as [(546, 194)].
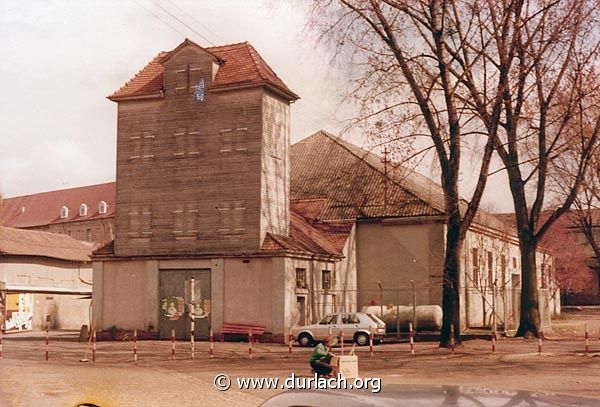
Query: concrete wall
[(250, 290), (39, 272), (60, 311), (56, 310), (121, 295), (395, 254)]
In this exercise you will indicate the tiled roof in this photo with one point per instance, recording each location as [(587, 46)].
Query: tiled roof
[(306, 236), (44, 208), (240, 65), (43, 244), (311, 237), (352, 182)]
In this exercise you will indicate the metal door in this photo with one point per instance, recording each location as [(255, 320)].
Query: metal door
[(172, 283)]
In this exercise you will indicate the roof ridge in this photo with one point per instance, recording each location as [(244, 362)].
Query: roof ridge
[(228, 45), (4, 198)]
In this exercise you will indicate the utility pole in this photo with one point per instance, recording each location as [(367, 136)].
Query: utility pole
[(385, 161)]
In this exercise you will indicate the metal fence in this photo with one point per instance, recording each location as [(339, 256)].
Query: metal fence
[(481, 308)]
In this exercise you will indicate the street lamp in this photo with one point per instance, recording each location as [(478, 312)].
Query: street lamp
[(380, 298)]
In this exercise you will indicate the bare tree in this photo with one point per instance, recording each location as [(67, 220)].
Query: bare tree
[(511, 75), (436, 71), (552, 91)]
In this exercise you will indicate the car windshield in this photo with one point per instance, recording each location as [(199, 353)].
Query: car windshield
[(375, 319), (328, 319)]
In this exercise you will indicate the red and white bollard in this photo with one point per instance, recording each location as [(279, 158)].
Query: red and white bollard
[(212, 343), (587, 340), (411, 338), (452, 337), (250, 344), (371, 342), (173, 343), (342, 342), (540, 342), (290, 339), (135, 355), (47, 342), (493, 341), (94, 346)]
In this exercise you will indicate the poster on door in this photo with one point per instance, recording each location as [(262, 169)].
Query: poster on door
[(19, 312)]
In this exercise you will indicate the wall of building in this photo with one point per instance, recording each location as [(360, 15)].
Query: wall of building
[(494, 281), (95, 231), (394, 254), (121, 296), (275, 177), (189, 172), (43, 273), (61, 307), (60, 311)]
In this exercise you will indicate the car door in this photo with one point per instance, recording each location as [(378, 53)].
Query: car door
[(329, 323), (350, 324)]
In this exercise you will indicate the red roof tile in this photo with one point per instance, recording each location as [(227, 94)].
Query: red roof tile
[(20, 242), (311, 237), (240, 65), (44, 208)]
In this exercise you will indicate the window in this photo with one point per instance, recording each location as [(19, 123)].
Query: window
[(329, 319), (185, 221), (83, 209), (490, 267), (514, 261), (326, 281), (141, 146), (186, 143), (350, 319), (475, 265), (102, 208), (140, 221), (88, 235), (544, 276), (64, 212), (503, 269), (300, 278), (232, 216)]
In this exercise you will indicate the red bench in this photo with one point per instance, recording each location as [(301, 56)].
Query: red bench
[(241, 330)]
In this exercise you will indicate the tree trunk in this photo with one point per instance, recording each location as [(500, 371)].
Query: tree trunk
[(451, 294), (529, 323)]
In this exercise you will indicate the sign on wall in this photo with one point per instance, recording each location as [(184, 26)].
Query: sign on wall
[(173, 307), (19, 312)]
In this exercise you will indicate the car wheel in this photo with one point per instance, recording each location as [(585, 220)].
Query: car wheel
[(361, 339), (305, 339)]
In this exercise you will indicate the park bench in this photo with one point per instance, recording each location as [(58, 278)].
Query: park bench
[(241, 330)]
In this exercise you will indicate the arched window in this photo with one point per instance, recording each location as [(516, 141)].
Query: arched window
[(64, 212), (83, 209), (102, 207)]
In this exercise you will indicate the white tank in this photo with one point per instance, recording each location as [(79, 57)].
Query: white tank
[(429, 317)]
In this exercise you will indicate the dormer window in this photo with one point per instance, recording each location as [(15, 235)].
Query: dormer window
[(102, 208), (83, 209), (64, 212)]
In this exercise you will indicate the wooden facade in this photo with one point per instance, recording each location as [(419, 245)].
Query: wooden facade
[(198, 170)]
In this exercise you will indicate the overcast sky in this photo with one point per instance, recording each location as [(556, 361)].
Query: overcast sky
[(62, 58)]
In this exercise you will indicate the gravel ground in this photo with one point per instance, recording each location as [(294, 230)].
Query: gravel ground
[(26, 379)]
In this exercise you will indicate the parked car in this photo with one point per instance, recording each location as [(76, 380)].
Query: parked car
[(355, 325)]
